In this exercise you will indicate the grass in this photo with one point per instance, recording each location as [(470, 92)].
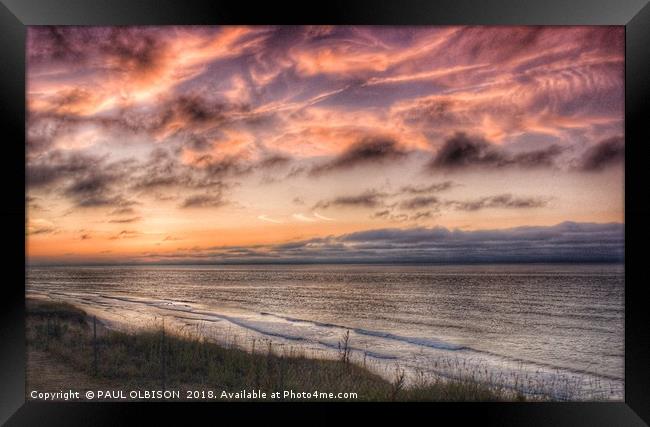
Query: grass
[(154, 359)]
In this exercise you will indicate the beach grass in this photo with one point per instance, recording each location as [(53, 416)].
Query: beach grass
[(65, 338)]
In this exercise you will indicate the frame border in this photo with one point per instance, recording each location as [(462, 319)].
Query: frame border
[(15, 15)]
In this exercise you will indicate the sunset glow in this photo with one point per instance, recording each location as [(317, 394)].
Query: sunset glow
[(214, 144)]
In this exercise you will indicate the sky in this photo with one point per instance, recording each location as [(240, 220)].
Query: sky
[(324, 144)]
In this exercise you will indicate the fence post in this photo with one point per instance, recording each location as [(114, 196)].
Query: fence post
[(95, 345), (47, 334), (163, 356)]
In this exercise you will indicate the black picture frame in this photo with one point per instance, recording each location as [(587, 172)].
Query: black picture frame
[(15, 15)]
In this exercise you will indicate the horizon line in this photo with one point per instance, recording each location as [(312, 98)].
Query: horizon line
[(254, 263)]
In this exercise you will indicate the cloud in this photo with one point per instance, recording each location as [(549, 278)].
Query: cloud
[(93, 190), (165, 170), (267, 219), (125, 220), (527, 80), (136, 49), (126, 234), (507, 201), (182, 115), (323, 217), (464, 151), (605, 153), (302, 217), (204, 201), (564, 242), (381, 214), (127, 65), (57, 165), (368, 199), (424, 189), (388, 215), (369, 150), (41, 230), (420, 202), (375, 199), (163, 81), (544, 157), (273, 160), (123, 211), (88, 181), (91, 181), (162, 171), (421, 215), (195, 110)]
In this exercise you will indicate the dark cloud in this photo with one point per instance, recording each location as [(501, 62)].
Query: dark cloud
[(211, 168), (433, 188), (537, 158), (43, 128), (501, 201), (606, 153), (420, 202), (133, 49), (88, 181), (192, 109), (56, 166), (163, 170), (55, 43), (370, 150), (273, 161), (41, 230), (92, 181), (125, 234), (387, 214), (464, 151), (100, 187), (93, 190), (204, 201), (368, 199), (197, 143), (381, 214), (99, 200), (421, 215), (376, 199), (203, 120), (125, 220), (565, 242), (123, 211), (507, 201)]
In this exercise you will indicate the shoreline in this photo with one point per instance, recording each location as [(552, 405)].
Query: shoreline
[(231, 369), (556, 386)]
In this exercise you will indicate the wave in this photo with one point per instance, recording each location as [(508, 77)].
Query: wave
[(424, 342), (183, 311)]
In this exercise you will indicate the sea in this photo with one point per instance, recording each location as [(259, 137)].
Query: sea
[(552, 331)]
